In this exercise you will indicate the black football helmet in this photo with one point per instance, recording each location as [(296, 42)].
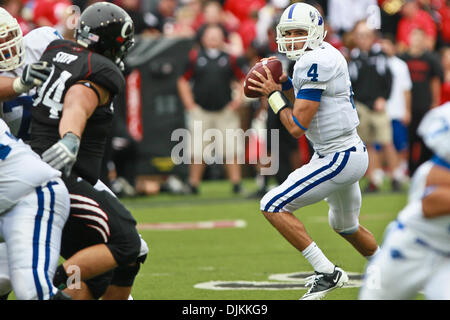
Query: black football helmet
[(107, 29)]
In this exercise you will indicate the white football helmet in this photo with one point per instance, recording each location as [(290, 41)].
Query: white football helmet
[(300, 16), (12, 50), (435, 131)]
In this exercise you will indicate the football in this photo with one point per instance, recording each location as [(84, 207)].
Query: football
[(275, 68)]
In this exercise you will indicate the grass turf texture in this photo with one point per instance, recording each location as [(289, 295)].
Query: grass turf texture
[(180, 259)]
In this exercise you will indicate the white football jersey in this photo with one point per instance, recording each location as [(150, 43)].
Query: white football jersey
[(333, 127), (434, 231), (16, 112)]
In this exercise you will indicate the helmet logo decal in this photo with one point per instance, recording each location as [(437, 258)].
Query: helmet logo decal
[(312, 15), (127, 29), (291, 11), (320, 21)]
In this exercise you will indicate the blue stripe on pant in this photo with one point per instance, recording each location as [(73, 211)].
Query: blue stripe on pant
[(310, 186), (49, 235), (36, 236), (37, 229), (295, 185)]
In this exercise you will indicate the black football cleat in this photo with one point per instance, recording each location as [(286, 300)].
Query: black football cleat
[(322, 283)]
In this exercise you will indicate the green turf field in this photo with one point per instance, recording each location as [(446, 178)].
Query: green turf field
[(180, 259)]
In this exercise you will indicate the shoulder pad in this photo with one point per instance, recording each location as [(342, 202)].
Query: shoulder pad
[(43, 35), (37, 40), (315, 66), (106, 74), (48, 33)]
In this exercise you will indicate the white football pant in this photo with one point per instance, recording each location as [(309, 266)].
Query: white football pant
[(333, 177), (32, 232), (34, 206)]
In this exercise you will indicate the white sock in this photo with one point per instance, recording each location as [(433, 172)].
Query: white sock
[(317, 259), (373, 255)]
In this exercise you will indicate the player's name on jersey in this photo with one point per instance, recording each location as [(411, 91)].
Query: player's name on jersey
[(63, 57)]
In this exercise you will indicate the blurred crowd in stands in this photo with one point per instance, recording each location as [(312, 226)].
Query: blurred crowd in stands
[(398, 53)]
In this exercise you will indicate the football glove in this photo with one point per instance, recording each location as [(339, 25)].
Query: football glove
[(34, 74), (63, 154)]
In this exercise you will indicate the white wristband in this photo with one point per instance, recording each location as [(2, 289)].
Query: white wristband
[(19, 87), (277, 101)]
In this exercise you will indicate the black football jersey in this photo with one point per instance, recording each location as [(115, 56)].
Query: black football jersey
[(72, 64)]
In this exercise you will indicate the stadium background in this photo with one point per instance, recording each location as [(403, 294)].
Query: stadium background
[(217, 235)]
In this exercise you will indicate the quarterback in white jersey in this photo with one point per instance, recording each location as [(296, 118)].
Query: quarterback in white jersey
[(322, 109), (415, 254)]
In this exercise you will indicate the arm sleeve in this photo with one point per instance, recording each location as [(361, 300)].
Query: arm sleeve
[(310, 94)]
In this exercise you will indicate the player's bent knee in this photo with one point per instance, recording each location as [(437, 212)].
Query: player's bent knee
[(267, 215), (127, 250), (347, 231), (144, 249), (266, 207), (124, 275), (344, 223)]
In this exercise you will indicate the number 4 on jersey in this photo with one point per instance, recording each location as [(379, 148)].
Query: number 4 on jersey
[(313, 73)]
